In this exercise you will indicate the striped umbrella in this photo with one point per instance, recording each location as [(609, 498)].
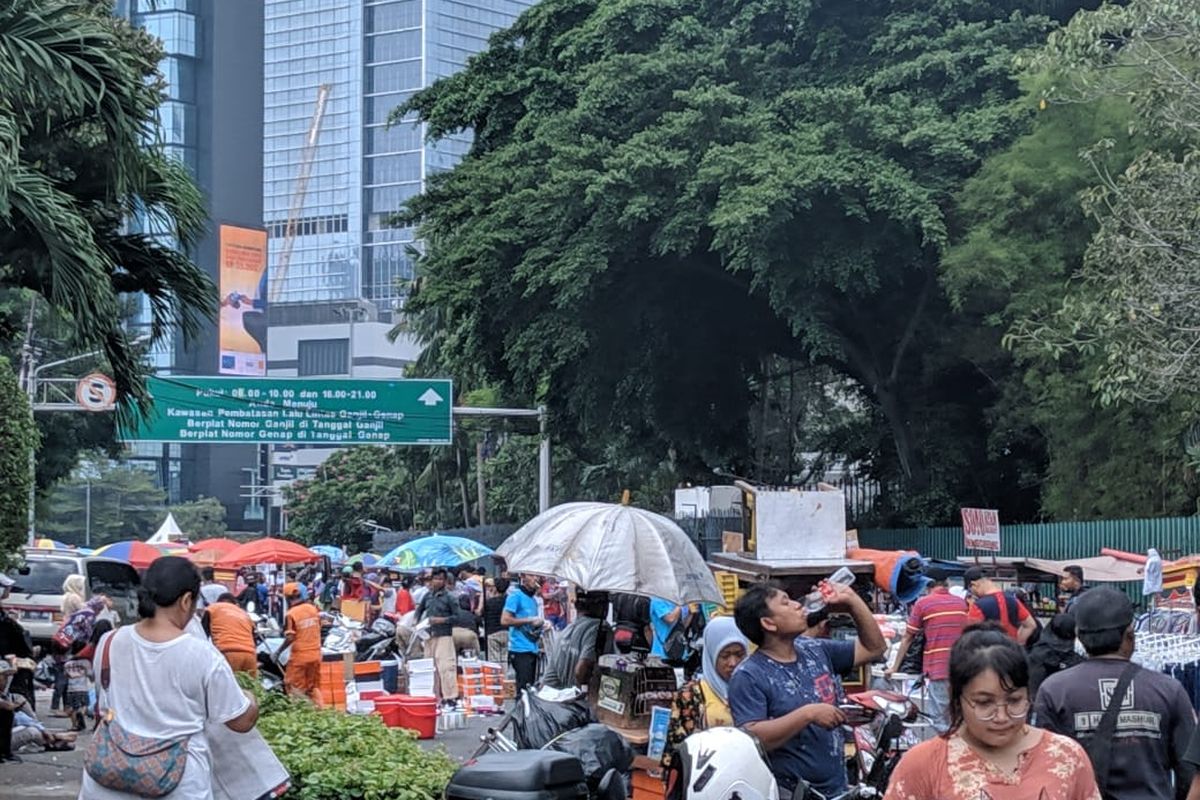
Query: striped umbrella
[(50, 544), (139, 554)]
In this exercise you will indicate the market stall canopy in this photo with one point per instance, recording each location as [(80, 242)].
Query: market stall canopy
[(612, 548), (139, 555), (207, 558), (268, 551), (434, 550), (168, 532), (334, 553), (1099, 569), (219, 544)]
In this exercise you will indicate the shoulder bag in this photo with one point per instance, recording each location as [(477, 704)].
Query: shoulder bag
[(1099, 747), (125, 762)]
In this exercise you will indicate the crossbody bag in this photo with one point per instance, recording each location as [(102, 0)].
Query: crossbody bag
[(125, 762)]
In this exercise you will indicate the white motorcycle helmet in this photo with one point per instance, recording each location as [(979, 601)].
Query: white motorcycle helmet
[(720, 764)]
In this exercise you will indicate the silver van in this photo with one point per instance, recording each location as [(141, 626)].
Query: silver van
[(36, 596)]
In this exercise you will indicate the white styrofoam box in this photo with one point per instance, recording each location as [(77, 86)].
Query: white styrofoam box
[(369, 686), (482, 702), (420, 665), (800, 526)]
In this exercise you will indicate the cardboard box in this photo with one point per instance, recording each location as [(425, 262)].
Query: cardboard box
[(732, 542)]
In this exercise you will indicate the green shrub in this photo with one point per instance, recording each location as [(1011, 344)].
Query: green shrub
[(333, 755)]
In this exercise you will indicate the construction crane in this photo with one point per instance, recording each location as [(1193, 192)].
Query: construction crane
[(307, 155)]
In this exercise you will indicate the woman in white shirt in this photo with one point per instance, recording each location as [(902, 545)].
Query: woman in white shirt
[(166, 684)]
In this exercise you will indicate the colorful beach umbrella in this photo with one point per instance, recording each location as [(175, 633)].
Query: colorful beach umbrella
[(50, 544), (331, 551), (137, 554), (434, 551)]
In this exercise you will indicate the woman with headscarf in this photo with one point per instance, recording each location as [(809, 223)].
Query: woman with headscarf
[(703, 702), (73, 600), (74, 588)]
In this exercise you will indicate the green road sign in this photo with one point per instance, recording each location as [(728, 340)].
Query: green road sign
[(295, 411)]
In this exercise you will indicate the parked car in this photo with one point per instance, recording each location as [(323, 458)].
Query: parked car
[(37, 594)]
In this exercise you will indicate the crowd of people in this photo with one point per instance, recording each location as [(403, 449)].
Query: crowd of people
[(1018, 713)]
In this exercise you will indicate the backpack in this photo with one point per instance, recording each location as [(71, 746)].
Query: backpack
[(990, 608)]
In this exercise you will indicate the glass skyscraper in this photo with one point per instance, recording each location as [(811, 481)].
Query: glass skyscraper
[(211, 120), (372, 55)]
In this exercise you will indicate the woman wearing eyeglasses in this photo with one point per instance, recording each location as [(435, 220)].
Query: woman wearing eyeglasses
[(991, 752)]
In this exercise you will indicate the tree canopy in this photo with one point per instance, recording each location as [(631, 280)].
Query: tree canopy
[(662, 196), (1135, 306), (92, 211)]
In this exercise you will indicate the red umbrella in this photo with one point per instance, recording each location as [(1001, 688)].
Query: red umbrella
[(220, 545), (268, 551), (206, 558)]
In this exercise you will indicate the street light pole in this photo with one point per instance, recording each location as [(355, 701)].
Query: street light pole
[(87, 528)]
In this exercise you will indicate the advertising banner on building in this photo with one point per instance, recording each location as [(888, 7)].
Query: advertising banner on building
[(243, 279)]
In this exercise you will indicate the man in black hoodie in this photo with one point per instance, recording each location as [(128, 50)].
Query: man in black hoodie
[(1054, 651)]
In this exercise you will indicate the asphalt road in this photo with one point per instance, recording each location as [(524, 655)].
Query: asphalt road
[(57, 775)]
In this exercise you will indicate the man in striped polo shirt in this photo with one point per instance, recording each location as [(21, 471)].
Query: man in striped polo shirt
[(941, 617)]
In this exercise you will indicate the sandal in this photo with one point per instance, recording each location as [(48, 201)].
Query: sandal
[(59, 745)]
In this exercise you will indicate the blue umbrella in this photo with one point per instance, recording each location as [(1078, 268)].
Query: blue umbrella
[(434, 551), (334, 553)]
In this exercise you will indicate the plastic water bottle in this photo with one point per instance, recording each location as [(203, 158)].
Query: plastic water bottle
[(816, 603)]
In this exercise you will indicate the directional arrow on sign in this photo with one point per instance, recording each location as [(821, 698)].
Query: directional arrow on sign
[(430, 398)]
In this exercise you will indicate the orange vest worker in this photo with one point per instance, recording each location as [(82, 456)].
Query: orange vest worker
[(233, 634), (303, 628)]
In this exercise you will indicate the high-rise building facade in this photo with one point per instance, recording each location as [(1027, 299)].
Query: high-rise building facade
[(335, 70), (212, 122), (371, 56)]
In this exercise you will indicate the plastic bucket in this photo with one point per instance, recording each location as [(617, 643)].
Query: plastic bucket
[(387, 706), (418, 714)]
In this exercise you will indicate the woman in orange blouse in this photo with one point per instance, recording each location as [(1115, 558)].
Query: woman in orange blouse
[(990, 751)]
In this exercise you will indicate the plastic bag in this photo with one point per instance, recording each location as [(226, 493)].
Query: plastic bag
[(598, 749), (537, 722)]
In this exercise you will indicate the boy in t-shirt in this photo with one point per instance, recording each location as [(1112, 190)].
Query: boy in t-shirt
[(79, 683)]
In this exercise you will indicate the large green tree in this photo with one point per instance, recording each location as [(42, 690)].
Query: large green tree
[(124, 502), (663, 195), (92, 213), (202, 518), (1022, 239), (1135, 305)]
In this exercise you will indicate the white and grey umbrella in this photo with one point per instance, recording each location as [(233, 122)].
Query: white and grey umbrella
[(612, 548)]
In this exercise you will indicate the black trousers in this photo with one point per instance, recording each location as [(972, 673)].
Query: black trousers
[(6, 726), (526, 667)]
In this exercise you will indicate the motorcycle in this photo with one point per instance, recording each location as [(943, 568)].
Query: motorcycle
[(377, 643), (879, 720)]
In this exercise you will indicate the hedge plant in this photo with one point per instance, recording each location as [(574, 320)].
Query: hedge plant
[(18, 436), (332, 755)]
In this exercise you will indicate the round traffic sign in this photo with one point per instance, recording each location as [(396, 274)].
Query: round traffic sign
[(96, 392)]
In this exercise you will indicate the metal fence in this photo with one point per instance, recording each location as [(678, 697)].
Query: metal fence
[(1059, 541)]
